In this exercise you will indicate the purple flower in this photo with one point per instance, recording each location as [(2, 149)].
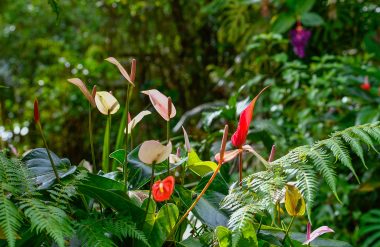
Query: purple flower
[(299, 39)]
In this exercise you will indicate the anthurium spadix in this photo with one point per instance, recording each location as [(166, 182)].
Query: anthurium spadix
[(310, 236), (194, 163), (153, 152), (161, 103), (106, 103), (80, 84), (129, 77), (132, 123)]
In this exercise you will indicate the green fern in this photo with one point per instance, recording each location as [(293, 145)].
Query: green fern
[(99, 232), (370, 228), (47, 219), (302, 166)]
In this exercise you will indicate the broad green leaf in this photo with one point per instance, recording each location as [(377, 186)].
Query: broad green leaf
[(294, 202), (139, 172), (303, 6), (164, 222), (150, 216), (218, 184), (42, 174), (198, 166), (245, 236), (283, 23), (115, 199), (223, 235), (311, 19), (367, 114), (190, 242), (207, 209)]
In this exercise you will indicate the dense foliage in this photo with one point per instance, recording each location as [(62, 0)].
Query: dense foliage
[(211, 57)]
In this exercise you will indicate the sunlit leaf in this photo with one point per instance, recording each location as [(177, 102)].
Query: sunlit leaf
[(294, 202)]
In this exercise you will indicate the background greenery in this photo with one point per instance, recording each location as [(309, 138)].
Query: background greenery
[(211, 57)]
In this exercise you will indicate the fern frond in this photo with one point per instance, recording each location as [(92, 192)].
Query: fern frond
[(10, 218), (340, 151), (124, 228), (91, 233), (48, 219), (321, 161), (62, 194), (363, 136), (243, 216), (308, 184), (355, 146)]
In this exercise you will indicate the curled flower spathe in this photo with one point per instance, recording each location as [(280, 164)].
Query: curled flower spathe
[(310, 236), (106, 103), (82, 87), (161, 103), (162, 190), (153, 152)]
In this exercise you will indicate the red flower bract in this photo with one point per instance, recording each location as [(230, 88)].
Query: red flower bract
[(240, 135), (36, 111), (162, 190)]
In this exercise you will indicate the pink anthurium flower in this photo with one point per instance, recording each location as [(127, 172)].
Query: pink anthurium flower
[(161, 103), (316, 233), (80, 84), (130, 78), (153, 152), (132, 123)]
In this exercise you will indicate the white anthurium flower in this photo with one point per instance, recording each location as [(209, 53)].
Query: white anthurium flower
[(174, 159), (132, 124), (154, 152), (106, 103)]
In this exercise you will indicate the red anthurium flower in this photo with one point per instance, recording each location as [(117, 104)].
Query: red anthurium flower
[(239, 137), (162, 190), (366, 86)]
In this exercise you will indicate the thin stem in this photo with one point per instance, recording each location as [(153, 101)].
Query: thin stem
[(150, 193), (48, 152), (168, 139), (107, 153), (278, 213), (125, 168), (196, 201), (94, 168), (287, 230), (240, 168)]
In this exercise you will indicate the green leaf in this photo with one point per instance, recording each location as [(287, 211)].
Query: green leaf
[(303, 6), (218, 184), (191, 242), (207, 209), (150, 216), (245, 236), (115, 199), (311, 19), (223, 235), (198, 166), (42, 174), (165, 221), (106, 146), (283, 23)]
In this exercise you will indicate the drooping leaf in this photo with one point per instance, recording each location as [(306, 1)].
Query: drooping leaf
[(198, 166), (41, 172)]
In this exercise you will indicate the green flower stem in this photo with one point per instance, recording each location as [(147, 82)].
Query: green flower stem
[(288, 229), (168, 139), (240, 168), (150, 192), (48, 152), (125, 168), (94, 168), (196, 201), (106, 145)]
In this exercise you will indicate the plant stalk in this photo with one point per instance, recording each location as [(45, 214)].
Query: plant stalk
[(288, 229), (106, 146), (168, 139), (240, 168), (48, 152), (150, 193), (125, 168), (94, 168)]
